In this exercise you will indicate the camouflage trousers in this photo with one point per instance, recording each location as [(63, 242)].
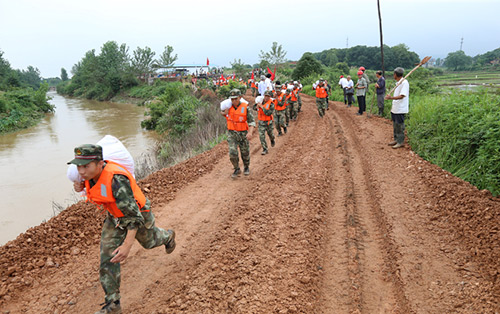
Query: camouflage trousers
[(112, 237), (265, 127), (287, 115), (321, 104), (292, 107), (239, 139), (254, 91), (279, 119), (299, 99)]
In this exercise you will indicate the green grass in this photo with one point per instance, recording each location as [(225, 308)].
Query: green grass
[(460, 132), (469, 78)]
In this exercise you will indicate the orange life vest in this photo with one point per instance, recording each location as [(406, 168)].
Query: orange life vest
[(237, 118), (102, 194), (321, 92), (294, 95), (260, 113), (287, 99), (253, 85), (277, 100)]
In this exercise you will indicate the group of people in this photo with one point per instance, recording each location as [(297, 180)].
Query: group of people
[(277, 105), (400, 104), (129, 217)]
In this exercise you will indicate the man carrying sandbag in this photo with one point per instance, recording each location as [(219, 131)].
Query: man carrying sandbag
[(129, 217), (240, 126)]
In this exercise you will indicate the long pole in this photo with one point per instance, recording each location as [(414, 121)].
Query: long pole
[(381, 38)]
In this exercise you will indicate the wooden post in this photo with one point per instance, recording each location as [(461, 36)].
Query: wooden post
[(381, 38)]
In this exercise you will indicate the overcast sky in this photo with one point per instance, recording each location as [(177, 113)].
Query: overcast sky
[(56, 33)]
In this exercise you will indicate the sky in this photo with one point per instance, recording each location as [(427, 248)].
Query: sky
[(55, 34)]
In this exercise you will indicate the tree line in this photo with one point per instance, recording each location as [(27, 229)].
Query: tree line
[(102, 75), (23, 99)]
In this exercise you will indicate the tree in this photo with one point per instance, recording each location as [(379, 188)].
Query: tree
[(64, 75), (31, 77), (239, 68), (306, 66), (142, 62), (166, 59), (457, 60), (275, 56)]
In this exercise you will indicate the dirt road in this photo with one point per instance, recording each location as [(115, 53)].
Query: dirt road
[(332, 220)]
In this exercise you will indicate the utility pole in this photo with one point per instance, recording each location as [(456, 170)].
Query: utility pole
[(347, 42), (461, 43), (381, 38)]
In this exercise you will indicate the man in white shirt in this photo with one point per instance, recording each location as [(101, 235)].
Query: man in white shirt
[(269, 83), (400, 106), (343, 85), (262, 86)]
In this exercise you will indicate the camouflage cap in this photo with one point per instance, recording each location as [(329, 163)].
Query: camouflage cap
[(86, 153), (268, 93), (234, 93), (278, 87)]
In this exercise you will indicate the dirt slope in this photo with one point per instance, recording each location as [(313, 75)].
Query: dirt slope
[(332, 220)]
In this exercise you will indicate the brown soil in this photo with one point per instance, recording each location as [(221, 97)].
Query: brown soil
[(332, 220)]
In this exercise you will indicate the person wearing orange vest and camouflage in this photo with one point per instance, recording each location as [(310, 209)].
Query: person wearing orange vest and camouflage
[(292, 103), (113, 188), (280, 110), (240, 126), (254, 88), (321, 95), (299, 89), (265, 116), (287, 97)]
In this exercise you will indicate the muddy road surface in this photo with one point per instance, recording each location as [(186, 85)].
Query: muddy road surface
[(332, 220)]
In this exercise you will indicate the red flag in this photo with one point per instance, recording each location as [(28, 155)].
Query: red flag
[(273, 75), (252, 76), (234, 76), (222, 77), (208, 62)]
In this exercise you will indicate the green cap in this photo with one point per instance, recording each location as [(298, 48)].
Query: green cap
[(268, 93), (234, 93), (86, 153)]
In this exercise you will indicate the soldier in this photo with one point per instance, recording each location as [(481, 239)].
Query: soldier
[(320, 96), (299, 87), (292, 103), (240, 125), (129, 217), (280, 110), (265, 116), (287, 97)]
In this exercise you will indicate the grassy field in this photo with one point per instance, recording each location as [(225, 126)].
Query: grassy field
[(469, 78)]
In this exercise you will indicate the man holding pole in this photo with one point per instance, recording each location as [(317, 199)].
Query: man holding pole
[(400, 106)]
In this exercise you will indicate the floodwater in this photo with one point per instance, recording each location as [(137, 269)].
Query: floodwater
[(33, 161)]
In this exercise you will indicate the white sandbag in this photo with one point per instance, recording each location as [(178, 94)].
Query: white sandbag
[(114, 150), (73, 174), (259, 99), (226, 104)]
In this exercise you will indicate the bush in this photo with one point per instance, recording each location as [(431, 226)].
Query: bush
[(460, 132), (223, 91)]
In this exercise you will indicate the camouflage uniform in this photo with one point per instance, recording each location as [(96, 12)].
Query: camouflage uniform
[(239, 139), (280, 117), (114, 231), (321, 104), (266, 127)]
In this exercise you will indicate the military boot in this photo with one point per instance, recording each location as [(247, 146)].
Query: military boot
[(264, 152), (246, 171), (272, 143), (236, 173), (170, 245), (111, 308)]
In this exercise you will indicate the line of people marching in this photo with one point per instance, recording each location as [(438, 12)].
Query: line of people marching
[(277, 105)]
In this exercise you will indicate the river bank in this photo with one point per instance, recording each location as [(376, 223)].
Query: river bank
[(33, 160)]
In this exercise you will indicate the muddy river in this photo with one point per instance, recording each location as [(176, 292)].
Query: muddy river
[(33, 183)]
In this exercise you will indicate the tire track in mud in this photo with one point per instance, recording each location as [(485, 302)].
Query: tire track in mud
[(374, 284)]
